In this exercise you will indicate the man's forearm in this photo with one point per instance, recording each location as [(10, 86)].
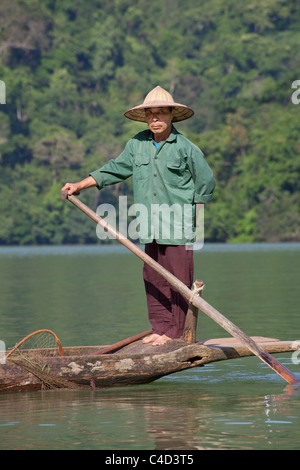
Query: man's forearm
[(75, 188), (88, 182)]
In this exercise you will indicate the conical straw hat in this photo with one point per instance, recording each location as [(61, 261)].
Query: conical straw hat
[(157, 98)]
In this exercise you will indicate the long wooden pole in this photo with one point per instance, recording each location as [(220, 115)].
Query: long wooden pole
[(197, 301)]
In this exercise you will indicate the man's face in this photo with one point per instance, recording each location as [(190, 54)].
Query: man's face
[(159, 120)]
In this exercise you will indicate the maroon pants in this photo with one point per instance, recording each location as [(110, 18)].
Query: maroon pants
[(166, 307)]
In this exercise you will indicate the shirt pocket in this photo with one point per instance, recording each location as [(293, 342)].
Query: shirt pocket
[(141, 169), (175, 170)]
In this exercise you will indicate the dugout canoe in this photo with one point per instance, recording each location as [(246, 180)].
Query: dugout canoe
[(134, 364)]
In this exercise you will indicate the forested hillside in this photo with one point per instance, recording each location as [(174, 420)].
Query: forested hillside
[(72, 67)]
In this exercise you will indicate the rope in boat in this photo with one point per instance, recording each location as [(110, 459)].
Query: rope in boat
[(196, 289)]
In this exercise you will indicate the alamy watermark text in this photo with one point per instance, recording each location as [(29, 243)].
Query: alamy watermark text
[(295, 98), (156, 221), (2, 92)]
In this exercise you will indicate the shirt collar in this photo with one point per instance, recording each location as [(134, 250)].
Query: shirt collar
[(173, 135)]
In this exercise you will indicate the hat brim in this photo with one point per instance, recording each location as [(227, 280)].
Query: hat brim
[(181, 112)]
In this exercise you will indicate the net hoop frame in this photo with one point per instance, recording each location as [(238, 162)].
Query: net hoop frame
[(33, 334)]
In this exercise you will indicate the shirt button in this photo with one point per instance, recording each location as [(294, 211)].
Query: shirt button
[(154, 194), (155, 174)]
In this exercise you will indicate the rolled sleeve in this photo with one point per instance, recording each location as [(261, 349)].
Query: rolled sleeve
[(205, 192), (98, 178), (204, 180)]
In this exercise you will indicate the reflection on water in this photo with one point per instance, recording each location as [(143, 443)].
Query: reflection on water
[(92, 295), (162, 416)]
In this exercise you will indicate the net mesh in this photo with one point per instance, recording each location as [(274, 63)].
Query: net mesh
[(33, 353)]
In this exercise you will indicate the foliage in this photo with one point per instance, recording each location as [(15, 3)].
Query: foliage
[(72, 68)]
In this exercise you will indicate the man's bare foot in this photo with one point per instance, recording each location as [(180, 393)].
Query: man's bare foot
[(161, 340), (150, 338)]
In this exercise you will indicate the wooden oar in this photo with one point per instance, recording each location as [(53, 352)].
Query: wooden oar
[(120, 344), (197, 301)]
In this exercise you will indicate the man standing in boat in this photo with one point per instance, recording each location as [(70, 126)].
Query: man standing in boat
[(168, 172)]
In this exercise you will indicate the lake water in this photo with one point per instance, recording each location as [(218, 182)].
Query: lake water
[(95, 295)]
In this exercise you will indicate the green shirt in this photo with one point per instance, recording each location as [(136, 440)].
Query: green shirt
[(167, 182)]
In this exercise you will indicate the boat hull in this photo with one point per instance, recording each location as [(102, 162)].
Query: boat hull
[(135, 364)]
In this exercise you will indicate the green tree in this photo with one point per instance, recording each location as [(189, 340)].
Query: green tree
[(71, 69)]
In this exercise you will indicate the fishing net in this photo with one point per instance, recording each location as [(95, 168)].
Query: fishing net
[(33, 352), (40, 343)]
